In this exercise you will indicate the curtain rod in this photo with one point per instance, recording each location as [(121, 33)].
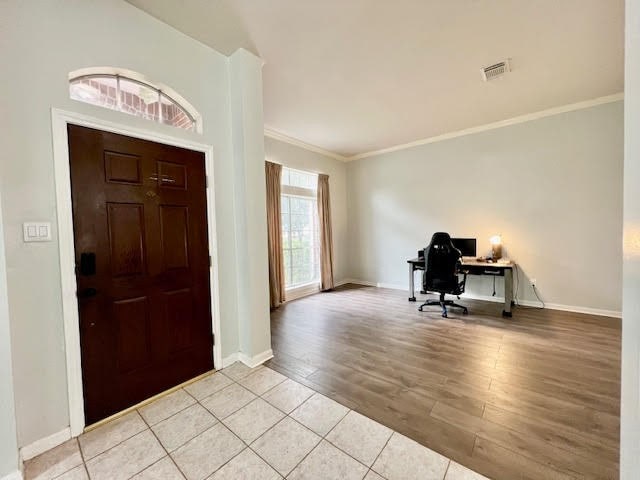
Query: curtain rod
[(297, 169)]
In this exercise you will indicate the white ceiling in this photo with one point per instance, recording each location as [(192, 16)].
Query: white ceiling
[(352, 76)]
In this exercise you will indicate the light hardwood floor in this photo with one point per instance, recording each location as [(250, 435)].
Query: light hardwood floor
[(531, 397)]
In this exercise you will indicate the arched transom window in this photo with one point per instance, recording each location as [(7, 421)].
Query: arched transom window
[(129, 93)]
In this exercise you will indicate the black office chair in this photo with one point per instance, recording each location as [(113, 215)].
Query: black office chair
[(442, 265)]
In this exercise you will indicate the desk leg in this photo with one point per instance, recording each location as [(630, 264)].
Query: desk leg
[(508, 292), (412, 296)]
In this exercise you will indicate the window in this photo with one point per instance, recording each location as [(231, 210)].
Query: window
[(132, 96), (300, 228)]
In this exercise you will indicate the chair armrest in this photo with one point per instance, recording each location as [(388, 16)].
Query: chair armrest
[(463, 283)]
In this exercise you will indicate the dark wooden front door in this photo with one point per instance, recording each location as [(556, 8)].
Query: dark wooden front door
[(142, 267)]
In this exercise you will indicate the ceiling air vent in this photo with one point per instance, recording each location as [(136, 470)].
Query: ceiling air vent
[(495, 71)]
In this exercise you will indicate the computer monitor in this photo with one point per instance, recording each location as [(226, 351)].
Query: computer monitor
[(467, 246)]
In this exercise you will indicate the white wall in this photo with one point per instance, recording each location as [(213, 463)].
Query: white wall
[(552, 187), (9, 460), (41, 42), (630, 408), (302, 159), (254, 322)]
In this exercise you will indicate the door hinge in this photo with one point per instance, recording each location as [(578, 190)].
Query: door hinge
[(213, 338), (210, 261), (206, 181)]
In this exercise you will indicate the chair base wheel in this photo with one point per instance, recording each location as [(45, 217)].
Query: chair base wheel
[(443, 304)]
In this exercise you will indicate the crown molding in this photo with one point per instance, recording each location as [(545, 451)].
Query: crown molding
[(299, 143), (491, 126), (447, 136)]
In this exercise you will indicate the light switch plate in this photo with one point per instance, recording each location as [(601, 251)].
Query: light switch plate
[(36, 231)]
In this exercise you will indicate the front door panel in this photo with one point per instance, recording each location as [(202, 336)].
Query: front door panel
[(140, 216)]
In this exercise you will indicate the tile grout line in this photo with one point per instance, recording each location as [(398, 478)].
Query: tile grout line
[(220, 421), (304, 426), (447, 470), (332, 428), (264, 459), (75, 466), (286, 415), (247, 445), (324, 437), (380, 453), (84, 463), (329, 432), (155, 463), (162, 446), (122, 441), (147, 427)]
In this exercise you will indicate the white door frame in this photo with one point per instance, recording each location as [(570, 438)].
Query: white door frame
[(64, 212)]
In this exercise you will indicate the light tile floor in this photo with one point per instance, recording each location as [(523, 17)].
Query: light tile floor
[(244, 424)]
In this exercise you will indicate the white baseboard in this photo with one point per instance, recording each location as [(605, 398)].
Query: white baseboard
[(366, 283), (247, 360), (392, 286), (312, 289), (549, 306), (488, 298), (230, 360), (574, 308), (47, 443), (358, 282), (295, 293), (17, 475), (44, 444), (256, 359)]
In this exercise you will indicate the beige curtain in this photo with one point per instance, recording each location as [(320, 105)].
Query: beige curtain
[(326, 237), (273, 172)]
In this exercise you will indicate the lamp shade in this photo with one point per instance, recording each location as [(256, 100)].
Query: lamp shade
[(496, 247)]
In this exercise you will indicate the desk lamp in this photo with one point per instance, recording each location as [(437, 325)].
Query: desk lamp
[(496, 247)]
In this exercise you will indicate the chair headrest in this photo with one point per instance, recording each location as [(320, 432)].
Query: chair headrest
[(441, 238)]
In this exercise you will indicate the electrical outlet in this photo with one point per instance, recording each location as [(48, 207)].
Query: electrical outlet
[(533, 282)]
